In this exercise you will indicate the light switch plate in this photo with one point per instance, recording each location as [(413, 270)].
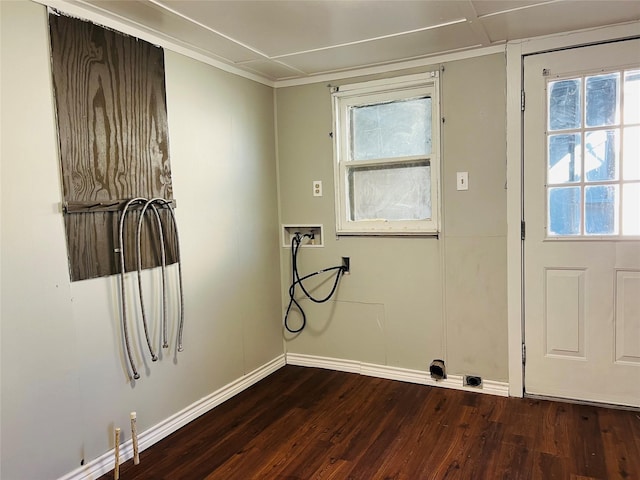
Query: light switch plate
[(462, 180)]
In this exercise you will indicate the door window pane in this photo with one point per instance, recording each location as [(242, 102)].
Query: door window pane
[(601, 149), (600, 210), (564, 211), (631, 153), (391, 130), (632, 96), (564, 158), (602, 100), (400, 192), (564, 104), (631, 210)]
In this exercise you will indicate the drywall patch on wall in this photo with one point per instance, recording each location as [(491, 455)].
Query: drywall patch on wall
[(331, 326), (475, 227)]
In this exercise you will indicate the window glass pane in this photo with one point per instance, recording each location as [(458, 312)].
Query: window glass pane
[(389, 130), (601, 150), (602, 100), (632, 96), (601, 209), (631, 153), (398, 192), (564, 158), (564, 211), (631, 209), (564, 104)]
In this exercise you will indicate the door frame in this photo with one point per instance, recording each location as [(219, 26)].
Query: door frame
[(515, 53)]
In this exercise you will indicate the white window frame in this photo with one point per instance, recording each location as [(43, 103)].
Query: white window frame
[(380, 91)]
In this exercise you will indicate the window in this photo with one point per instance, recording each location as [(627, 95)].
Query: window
[(387, 156), (593, 155)]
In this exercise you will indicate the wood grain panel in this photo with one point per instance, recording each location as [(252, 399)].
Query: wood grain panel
[(92, 239), (112, 128)]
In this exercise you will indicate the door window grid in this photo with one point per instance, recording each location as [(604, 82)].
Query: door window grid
[(593, 155)]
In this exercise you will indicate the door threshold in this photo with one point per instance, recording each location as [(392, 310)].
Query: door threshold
[(589, 403)]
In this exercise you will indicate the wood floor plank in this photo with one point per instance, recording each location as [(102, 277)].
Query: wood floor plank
[(619, 445), (306, 423), (549, 467), (588, 447)]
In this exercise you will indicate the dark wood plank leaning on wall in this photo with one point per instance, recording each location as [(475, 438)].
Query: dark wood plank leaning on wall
[(111, 110)]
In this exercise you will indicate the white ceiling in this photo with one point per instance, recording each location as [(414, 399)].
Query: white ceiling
[(297, 39)]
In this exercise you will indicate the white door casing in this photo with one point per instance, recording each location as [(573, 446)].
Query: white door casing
[(581, 295)]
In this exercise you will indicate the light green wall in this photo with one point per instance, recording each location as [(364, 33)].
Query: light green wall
[(409, 300), (64, 380)]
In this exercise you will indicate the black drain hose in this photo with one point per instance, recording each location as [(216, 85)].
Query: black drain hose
[(296, 242)]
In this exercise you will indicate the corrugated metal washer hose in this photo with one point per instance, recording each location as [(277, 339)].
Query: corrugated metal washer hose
[(121, 250), (152, 204), (169, 206)]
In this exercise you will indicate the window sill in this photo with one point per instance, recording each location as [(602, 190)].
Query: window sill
[(435, 235)]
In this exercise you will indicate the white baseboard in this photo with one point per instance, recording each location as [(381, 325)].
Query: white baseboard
[(396, 373), (103, 464)]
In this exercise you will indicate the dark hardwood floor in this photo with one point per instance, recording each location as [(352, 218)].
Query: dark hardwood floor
[(307, 423)]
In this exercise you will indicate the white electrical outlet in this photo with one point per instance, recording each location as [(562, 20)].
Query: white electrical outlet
[(317, 188), (462, 180)]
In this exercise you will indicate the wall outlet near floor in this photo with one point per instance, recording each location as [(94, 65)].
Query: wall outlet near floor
[(472, 381)]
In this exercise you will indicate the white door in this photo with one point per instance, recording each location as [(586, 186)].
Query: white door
[(582, 223)]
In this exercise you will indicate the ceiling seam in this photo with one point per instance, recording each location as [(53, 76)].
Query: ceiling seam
[(206, 27), (371, 39), (515, 9), (474, 23)]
